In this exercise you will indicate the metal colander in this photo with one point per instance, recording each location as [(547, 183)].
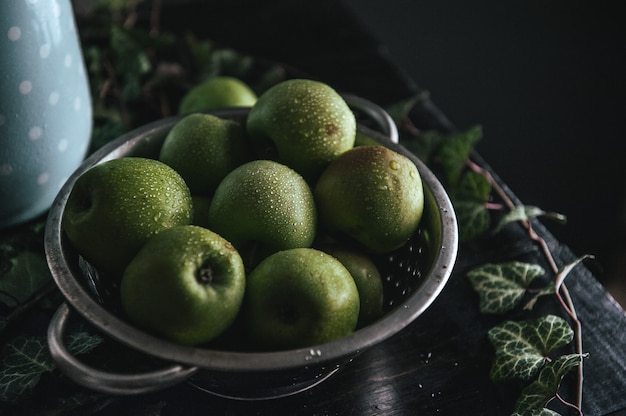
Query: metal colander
[(414, 275)]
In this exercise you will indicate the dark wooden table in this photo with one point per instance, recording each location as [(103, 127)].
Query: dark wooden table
[(440, 364)]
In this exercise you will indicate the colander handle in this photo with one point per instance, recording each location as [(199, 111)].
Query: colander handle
[(103, 381)]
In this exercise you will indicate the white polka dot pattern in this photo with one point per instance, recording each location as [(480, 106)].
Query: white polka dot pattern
[(45, 106)]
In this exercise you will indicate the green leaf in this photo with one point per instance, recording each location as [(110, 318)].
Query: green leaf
[(501, 287), (541, 391), (229, 61), (472, 217), (131, 61), (536, 412), (24, 361), (269, 78), (400, 110), (527, 213), (473, 186), (209, 61), (200, 52), (27, 274), (522, 347), (565, 270), (82, 342), (455, 151), (425, 145)]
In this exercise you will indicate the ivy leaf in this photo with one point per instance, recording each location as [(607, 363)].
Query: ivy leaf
[(501, 287), (469, 199), (536, 412), (559, 278), (210, 61), (425, 145), (200, 52), (131, 61), (522, 347), (26, 359), (400, 110), (27, 274), (537, 394), (455, 151), (473, 186), (229, 61), (565, 270), (472, 217), (527, 213), (82, 342)]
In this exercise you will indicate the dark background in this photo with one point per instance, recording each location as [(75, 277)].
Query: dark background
[(545, 79)]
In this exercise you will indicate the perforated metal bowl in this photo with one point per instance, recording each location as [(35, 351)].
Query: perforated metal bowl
[(414, 277)]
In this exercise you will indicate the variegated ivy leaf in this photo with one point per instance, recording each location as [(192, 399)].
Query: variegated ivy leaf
[(25, 359), (537, 394), (472, 217), (527, 212), (522, 347), (501, 287), (23, 363)]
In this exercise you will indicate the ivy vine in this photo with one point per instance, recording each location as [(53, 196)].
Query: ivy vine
[(530, 349)]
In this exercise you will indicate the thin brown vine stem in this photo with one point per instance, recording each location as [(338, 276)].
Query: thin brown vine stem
[(568, 404), (565, 299), (579, 344)]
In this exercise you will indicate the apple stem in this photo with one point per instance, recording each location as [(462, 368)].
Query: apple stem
[(204, 274)]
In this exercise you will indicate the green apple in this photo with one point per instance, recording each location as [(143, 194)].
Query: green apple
[(263, 207), (367, 278), (217, 92), (116, 206), (306, 123), (203, 148), (373, 195), (297, 298), (186, 284)]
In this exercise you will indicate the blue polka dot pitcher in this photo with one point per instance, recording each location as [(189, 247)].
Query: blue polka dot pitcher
[(45, 106)]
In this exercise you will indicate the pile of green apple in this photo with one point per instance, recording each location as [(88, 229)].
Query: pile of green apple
[(263, 228)]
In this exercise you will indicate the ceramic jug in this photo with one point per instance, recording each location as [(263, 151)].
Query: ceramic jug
[(45, 105)]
